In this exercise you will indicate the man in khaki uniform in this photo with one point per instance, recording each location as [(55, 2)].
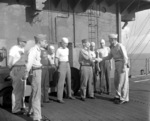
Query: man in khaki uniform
[(16, 63), (121, 81), (86, 70), (34, 65)]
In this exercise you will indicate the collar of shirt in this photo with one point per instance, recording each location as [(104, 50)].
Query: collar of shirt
[(37, 47)]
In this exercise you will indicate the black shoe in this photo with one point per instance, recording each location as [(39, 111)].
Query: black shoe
[(30, 114), (24, 110), (123, 102), (47, 101), (19, 113), (72, 98), (117, 101), (92, 97), (107, 93), (83, 99), (114, 99), (60, 101)]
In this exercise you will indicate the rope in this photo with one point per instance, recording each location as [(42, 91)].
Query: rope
[(143, 26)]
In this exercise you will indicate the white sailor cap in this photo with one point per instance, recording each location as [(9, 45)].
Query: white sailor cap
[(93, 44), (102, 41), (113, 36), (65, 40), (52, 47)]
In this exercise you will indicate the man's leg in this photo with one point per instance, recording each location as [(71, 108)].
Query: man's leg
[(90, 83), (62, 75), (36, 95), (84, 79)]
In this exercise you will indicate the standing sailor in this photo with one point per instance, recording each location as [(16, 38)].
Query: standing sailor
[(121, 81), (34, 65), (16, 63), (62, 62), (105, 65)]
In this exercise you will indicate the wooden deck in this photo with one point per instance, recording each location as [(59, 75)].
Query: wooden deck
[(99, 109)]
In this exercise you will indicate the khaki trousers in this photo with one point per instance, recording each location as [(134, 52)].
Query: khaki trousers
[(18, 88), (64, 73), (87, 81), (35, 98), (121, 81)]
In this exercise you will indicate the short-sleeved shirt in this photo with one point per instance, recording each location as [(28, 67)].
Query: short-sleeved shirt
[(62, 54), (34, 58), (103, 52), (16, 52)]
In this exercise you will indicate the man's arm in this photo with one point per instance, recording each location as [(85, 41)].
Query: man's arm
[(125, 57), (10, 61)]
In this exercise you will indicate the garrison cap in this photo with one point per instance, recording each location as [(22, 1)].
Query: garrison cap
[(65, 40), (84, 41), (21, 39), (40, 37), (113, 36)]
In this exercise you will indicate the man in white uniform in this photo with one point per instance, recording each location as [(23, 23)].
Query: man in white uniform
[(34, 65), (105, 65), (121, 81), (16, 63), (62, 63)]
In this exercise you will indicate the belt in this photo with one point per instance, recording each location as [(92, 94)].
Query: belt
[(118, 60), (86, 64), (36, 68), (64, 61), (18, 65)]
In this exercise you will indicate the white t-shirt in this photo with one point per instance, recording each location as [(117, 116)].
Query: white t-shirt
[(16, 53), (62, 54), (104, 51)]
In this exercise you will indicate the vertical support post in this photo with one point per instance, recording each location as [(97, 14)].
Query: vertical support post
[(131, 67), (74, 30), (118, 12), (146, 66)]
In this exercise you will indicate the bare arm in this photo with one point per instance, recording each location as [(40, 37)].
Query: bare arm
[(10, 61)]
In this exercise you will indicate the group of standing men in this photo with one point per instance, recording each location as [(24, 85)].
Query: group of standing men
[(42, 63), (95, 63)]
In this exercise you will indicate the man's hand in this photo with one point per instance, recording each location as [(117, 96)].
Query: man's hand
[(26, 74)]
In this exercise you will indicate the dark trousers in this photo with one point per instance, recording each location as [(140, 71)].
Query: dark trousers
[(105, 85), (45, 84)]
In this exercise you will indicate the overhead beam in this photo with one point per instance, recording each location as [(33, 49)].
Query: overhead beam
[(99, 1), (144, 6), (74, 3), (56, 2), (111, 2), (86, 4), (124, 6), (134, 6)]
